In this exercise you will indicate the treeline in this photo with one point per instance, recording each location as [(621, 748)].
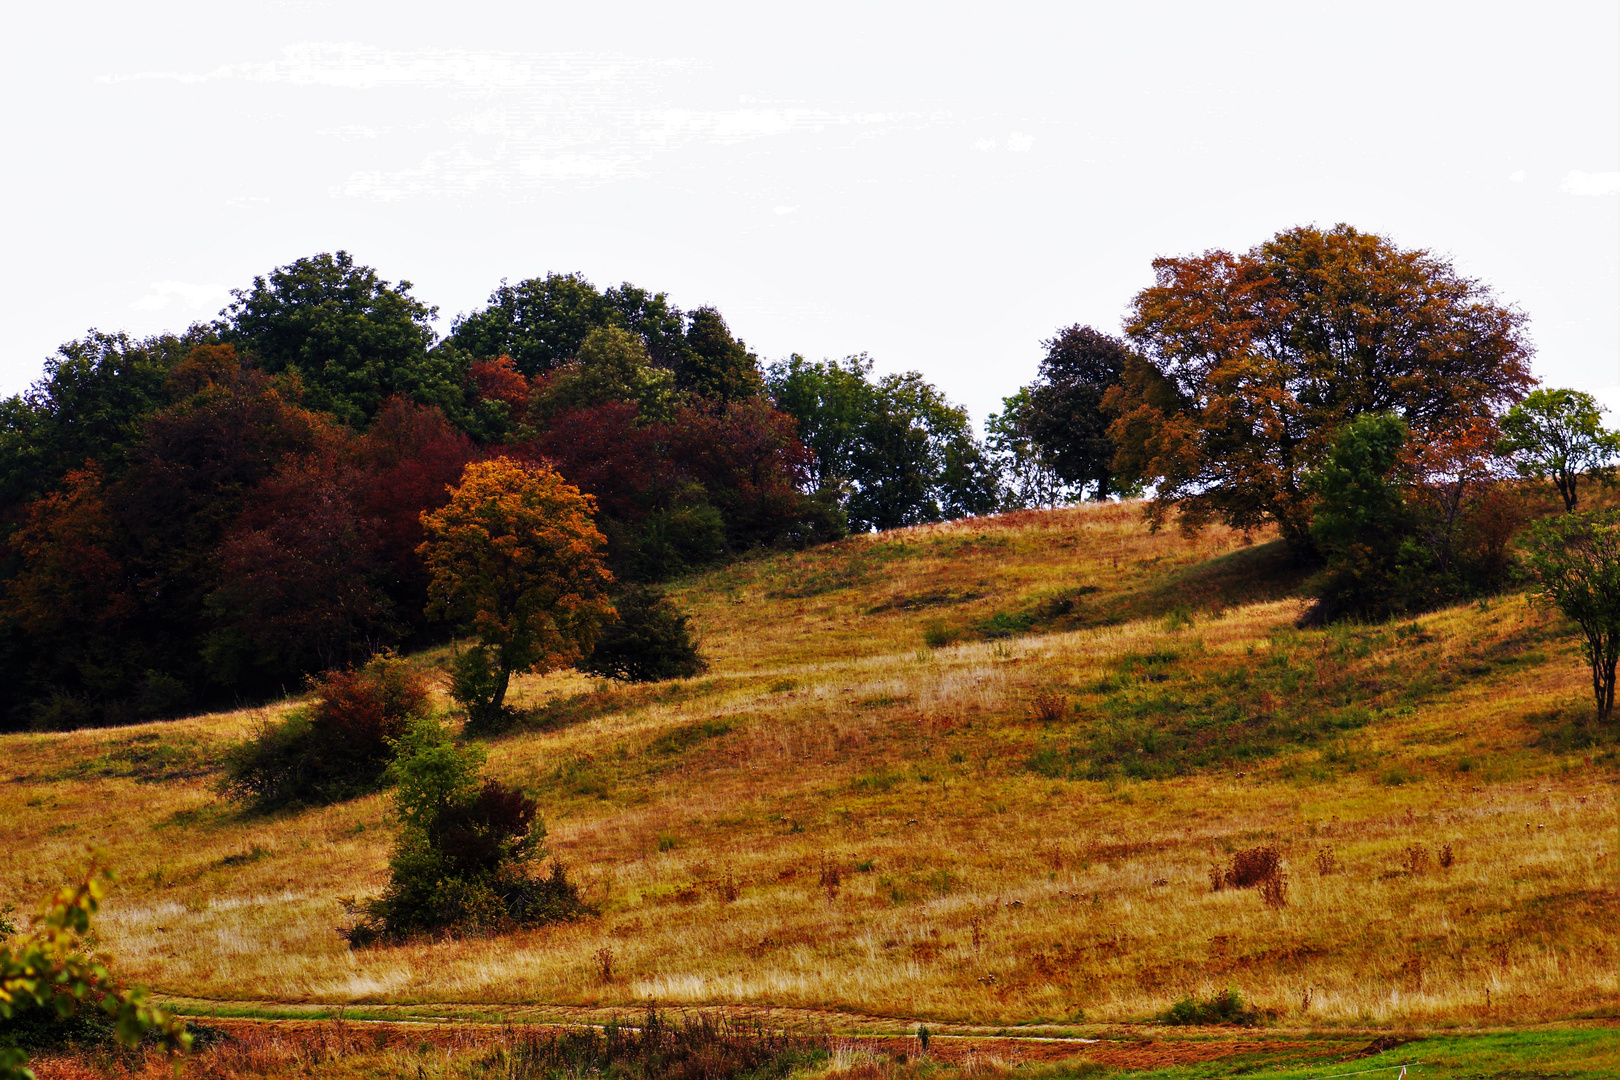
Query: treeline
[(206, 517)]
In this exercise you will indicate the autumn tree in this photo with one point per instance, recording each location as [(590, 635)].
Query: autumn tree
[(514, 560), (1065, 415), (1559, 435), (1251, 365)]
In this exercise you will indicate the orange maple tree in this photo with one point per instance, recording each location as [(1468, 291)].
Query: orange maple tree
[(1251, 364), (515, 560)]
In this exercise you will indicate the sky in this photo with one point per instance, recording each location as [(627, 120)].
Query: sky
[(940, 186)]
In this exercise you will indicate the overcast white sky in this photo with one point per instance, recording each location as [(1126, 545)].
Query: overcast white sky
[(939, 185)]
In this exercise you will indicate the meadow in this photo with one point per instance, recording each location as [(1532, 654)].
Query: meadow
[(977, 775)]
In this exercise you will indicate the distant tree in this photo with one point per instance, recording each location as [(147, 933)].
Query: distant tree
[(896, 451), (541, 323), (1559, 434), (1576, 563), (514, 559), (352, 338), (1253, 363), (1065, 413), (502, 398), (714, 364), (1362, 521), (612, 365), (650, 640), (1030, 478), (52, 970)]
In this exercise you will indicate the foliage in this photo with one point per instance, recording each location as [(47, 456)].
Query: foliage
[(1031, 480), (1066, 418), (463, 860), (650, 641), (337, 748), (612, 366), (1227, 1008), (353, 339), (895, 450), (1253, 363), (714, 364), (515, 561), (696, 1047), (51, 969), (1361, 521), (1575, 560), (1559, 434), (541, 323)]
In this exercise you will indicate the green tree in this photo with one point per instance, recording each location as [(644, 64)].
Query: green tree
[(1559, 434), (1252, 364), (651, 640), (1031, 479), (352, 338), (613, 365), (1575, 560), (1065, 414), (465, 852), (516, 561), (1361, 522), (51, 969), (830, 400), (714, 364)]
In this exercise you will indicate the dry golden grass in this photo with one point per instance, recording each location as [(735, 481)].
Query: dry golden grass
[(841, 818)]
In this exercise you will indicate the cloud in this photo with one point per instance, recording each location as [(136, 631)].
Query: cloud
[(1516, 176), (1019, 143), (1591, 183), (163, 293)]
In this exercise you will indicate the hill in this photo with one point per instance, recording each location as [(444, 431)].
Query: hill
[(979, 772)]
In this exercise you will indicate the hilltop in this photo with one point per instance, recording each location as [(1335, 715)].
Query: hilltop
[(973, 773)]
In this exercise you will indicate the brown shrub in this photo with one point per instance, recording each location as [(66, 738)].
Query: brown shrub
[(1050, 708), (1447, 859), (1253, 867), (1326, 862)]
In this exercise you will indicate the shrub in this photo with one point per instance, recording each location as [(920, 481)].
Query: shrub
[(465, 858), (337, 748), (1227, 1008), (1253, 867), (1050, 708), (651, 641), (701, 1047)]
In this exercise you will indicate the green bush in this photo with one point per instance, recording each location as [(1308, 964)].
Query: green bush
[(1227, 1008), (465, 860), (651, 641), (339, 747)]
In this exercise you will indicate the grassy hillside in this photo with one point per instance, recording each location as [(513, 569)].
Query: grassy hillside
[(976, 772)]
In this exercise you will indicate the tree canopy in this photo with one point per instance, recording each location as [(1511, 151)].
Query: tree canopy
[(1559, 435), (1065, 415), (1251, 364)]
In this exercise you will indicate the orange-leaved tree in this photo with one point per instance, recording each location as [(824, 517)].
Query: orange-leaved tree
[(515, 560), (1252, 365)]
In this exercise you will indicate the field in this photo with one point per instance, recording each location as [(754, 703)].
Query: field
[(978, 775)]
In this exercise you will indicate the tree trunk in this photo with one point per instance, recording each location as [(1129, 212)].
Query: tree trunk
[(504, 679)]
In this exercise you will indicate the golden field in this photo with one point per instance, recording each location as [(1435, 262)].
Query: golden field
[(841, 818)]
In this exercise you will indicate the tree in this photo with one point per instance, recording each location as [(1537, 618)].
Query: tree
[(1031, 479), (1361, 520), (895, 451), (352, 338), (1065, 413), (1576, 563), (1253, 363), (650, 641), (464, 853), (715, 364), (612, 365), (50, 969), (1559, 434), (514, 560), (541, 323)]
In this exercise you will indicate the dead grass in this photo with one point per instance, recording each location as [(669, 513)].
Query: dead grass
[(830, 743)]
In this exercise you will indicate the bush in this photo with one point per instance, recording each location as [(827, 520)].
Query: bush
[(1227, 1008), (652, 640), (466, 853), (337, 748), (700, 1047)]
